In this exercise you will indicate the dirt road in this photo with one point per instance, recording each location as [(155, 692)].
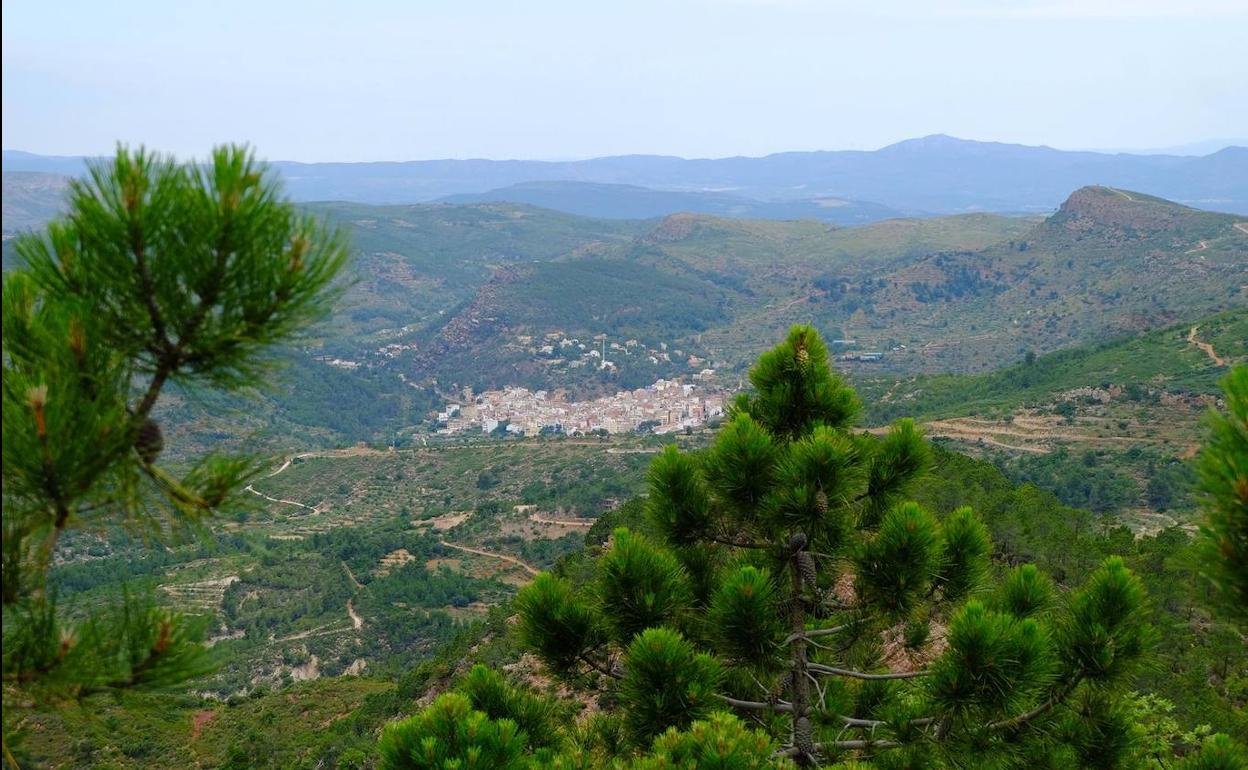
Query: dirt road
[(538, 519), (502, 556), (1205, 346), (252, 490), (351, 575)]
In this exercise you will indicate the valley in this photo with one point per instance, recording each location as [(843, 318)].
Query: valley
[(487, 402), (739, 385)]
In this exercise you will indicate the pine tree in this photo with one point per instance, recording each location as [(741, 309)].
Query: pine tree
[(159, 274), (1223, 465), (786, 578), (490, 722)]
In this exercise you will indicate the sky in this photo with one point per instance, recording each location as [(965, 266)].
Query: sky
[(386, 80)]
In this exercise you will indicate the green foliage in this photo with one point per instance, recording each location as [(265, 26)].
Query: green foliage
[(682, 512), (742, 463), (996, 663), (964, 560), (1108, 628), (895, 567), (667, 683), (1078, 482), (796, 390), (640, 586), (1224, 489), (1158, 733), (1163, 359), (743, 616), (158, 274), (539, 718), (1217, 753), (1025, 592), (823, 471), (450, 735), (1098, 733), (134, 643), (901, 458), (555, 623), (719, 742)]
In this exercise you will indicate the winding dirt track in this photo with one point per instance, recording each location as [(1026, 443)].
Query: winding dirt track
[(252, 490), (502, 556), (1242, 227), (539, 519), (1205, 346), (351, 575)]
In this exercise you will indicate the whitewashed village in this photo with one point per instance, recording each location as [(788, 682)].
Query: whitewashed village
[(663, 407)]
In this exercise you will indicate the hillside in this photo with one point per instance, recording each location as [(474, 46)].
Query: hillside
[(938, 174), (632, 202), (445, 296), (1109, 262), (413, 264), (685, 289), (339, 561), (30, 199), (309, 702), (1107, 427), (945, 294)]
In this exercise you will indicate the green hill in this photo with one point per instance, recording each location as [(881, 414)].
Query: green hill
[(333, 721), (1107, 427), (963, 293), (1164, 360), (1107, 263), (715, 289)]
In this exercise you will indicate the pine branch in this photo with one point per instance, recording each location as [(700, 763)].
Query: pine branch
[(819, 668), (753, 705), (1027, 716), (8, 756), (153, 392), (865, 743), (598, 666), (736, 543), (811, 633), (147, 287), (874, 723)]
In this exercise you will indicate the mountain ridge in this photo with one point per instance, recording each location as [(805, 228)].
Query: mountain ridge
[(937, 174), (1108, 262)]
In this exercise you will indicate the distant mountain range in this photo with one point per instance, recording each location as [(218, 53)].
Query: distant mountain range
[(935, 175), (622, 201)]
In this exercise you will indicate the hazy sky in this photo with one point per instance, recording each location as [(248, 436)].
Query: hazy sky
[(313, 80)]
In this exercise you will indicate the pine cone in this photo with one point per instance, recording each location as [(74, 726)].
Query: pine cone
[(806, 567), (150, 442), (804, 736), (783, 684)]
